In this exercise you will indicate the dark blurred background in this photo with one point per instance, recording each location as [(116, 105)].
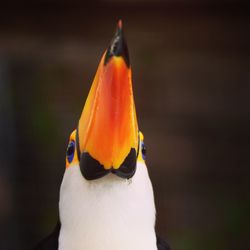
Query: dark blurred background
[(191, 75)]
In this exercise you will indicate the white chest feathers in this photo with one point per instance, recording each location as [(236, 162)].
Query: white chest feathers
[(107, 214)]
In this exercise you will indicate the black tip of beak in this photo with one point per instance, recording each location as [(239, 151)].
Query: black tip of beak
[(118, 46)]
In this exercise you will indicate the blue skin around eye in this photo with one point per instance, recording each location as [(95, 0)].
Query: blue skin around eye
[(143, 151), (70, 151)]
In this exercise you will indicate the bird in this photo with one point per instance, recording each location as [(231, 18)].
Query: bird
[(106, 199)]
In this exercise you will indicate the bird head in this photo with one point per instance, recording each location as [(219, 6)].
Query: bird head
[(99, 208), (107, 139)]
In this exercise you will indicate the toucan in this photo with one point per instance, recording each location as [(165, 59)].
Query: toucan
[(106, 196)]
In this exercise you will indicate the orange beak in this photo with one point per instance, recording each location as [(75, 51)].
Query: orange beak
[(108, 130)]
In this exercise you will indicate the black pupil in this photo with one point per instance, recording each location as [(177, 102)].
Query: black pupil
[(70, 149), (143, 150)]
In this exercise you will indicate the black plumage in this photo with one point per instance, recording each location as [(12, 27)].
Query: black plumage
[(50, 242)]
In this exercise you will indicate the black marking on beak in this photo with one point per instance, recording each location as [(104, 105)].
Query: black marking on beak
[(77, 145), (91, 169), (128, 167), (118, 47)]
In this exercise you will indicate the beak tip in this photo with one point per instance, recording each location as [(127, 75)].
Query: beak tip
[(119, 24), (118, 46)]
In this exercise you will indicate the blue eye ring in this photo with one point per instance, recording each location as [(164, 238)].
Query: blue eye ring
[(143, 151), (70, 151)]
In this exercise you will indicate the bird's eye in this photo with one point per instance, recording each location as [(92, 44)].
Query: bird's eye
[(70, 151), (143, 151)]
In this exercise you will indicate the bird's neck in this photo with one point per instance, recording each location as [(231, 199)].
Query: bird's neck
[(109, 213)]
